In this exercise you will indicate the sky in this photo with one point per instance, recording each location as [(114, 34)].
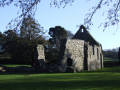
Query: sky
[(70, 17)]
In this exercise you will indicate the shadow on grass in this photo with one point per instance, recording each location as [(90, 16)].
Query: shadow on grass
[(30, 70), (21, 69)]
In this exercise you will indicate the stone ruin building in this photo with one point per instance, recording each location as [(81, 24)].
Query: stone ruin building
[(82, 52)]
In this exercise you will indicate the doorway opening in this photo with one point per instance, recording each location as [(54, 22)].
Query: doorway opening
[(85, 57), (101, 62), (69, 65)]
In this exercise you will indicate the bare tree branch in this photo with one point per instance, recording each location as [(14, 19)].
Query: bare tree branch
[(117, 8), (88, 19), (27, 7)]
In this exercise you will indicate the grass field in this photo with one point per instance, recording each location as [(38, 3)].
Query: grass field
[(15, 65), (106, 79)]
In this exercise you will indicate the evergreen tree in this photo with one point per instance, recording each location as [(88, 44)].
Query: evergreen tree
[(30, 29)]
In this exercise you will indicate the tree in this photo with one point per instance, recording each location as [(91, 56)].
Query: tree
[(27, 7), (2, 36), (21, 46), (113, 12), (52, 49), (10, 35), (57, 34), (2, 41), (30, 29), (111, 53)]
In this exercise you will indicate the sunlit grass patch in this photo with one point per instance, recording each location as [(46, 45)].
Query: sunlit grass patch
[(106, 79)]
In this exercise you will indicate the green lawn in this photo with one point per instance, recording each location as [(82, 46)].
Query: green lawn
[(106, 79), (15, 65)]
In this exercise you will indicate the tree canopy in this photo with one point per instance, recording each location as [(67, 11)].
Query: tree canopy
[(30, 29), (27, 7), (113, 12), (57, 34), (20, 45)]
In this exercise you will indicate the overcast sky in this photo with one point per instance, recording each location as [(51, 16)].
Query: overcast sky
[(70, 18)]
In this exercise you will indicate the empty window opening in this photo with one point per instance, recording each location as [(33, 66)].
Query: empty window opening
[(101, 60), (69, 65), (69, 62), (82, 30), (86, 57), (93, 50), (97, 53)]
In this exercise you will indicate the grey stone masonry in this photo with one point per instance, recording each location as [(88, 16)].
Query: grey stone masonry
[(40, 50), (95, 57), (74, 51), (82, 52), (80, 55)]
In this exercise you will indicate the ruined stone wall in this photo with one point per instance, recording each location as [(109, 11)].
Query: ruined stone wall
[(75, 51), (40, 50), (95, 57), (41, 64)]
